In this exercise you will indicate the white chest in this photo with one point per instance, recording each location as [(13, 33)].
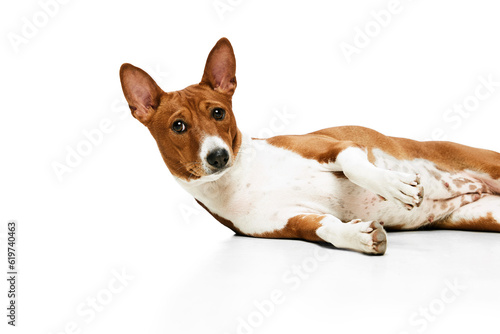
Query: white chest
[(266, 186)]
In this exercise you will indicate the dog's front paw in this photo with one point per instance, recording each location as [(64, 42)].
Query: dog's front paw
[(402, 188)]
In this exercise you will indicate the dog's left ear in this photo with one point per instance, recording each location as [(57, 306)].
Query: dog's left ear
[(220, 69)]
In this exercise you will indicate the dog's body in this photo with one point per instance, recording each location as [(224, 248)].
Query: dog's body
[(335, 185)]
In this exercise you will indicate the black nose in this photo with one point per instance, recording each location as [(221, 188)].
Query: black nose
[(218, 158)]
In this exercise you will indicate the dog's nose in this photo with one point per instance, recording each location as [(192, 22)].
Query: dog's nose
[(218, 158)]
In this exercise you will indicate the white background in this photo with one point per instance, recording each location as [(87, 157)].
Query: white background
[(118, 209)]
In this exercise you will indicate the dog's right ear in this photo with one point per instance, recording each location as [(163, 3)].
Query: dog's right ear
[(141, 92)]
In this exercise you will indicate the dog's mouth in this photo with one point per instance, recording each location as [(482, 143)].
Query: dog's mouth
[(198, 171), (201, 171), (197, 176), (218, 172), (215, 158)]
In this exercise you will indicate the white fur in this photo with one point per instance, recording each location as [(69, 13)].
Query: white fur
[(265, 187), (268, 185), (208, 144), (367, 237), (444, 192), (396, 186)]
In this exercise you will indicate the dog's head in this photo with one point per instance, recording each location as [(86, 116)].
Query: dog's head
[(194, 128)]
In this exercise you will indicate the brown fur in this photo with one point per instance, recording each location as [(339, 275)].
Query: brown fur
[(324, 145), (485, 223), (193, 106), (322, 148), (298, 227)]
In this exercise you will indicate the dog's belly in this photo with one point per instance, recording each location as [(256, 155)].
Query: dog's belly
[(277, 184), (444, 192)]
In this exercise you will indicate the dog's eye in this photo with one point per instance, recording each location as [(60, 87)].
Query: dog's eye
[(218, 114), (179, 126)]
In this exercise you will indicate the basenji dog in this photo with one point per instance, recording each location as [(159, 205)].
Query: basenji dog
[(343, 185)]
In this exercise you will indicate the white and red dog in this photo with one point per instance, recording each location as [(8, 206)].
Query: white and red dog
[(336, 185)]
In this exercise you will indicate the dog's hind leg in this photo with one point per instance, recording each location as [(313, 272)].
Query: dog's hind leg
[(481, 215)]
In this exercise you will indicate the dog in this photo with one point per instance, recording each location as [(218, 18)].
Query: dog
[(343, 185)]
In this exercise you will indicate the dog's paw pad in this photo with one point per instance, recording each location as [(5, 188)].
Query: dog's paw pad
[(403, 188), (372, 237)]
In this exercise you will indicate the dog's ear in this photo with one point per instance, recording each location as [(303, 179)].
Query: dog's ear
[(220, 69), (141, 92)]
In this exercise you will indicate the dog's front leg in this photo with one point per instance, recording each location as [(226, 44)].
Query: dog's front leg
[(402, 188), (366, 237), (351, 159)]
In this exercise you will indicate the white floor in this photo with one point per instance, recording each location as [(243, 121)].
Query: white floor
[(131, 276), (431, 281)]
